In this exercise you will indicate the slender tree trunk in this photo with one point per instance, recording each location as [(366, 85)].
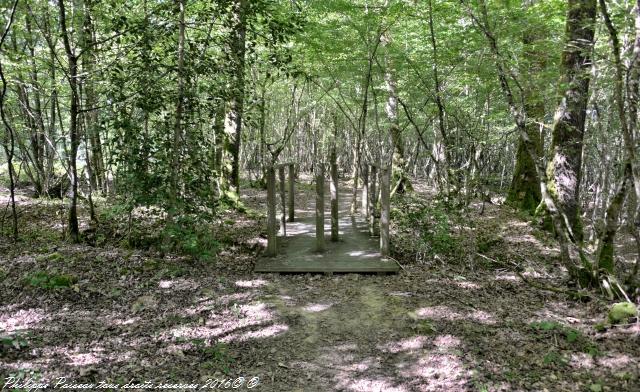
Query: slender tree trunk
[(233, 122), (440, 149), (91, 101), (178, 129), (400, 181), (9, 145), (72, 78)]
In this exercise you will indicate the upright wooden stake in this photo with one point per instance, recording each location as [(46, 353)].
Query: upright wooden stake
[(320, 209), (283, 200), (365, 190), (334, 194), (373, 201), (272, 248), (291, 192), (385, 213)]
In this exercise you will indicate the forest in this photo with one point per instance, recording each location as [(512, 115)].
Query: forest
[(319, 195)]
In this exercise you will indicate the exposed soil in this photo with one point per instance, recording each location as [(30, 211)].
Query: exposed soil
[(461, 324)]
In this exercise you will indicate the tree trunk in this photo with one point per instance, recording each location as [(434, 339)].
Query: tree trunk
[(563, 170), (73, 124), (524, 192), (233, 122), (399, 175), (9, 141), (91, 101), (178, 129)]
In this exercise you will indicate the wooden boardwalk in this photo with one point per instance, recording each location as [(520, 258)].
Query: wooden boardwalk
[(355, 251)]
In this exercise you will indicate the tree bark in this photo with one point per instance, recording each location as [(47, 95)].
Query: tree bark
[(564, 168), (9, 141), (178, 128), (74, 139), (233, 122)]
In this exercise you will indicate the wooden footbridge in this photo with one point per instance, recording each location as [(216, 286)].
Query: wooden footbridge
[(356, 243)]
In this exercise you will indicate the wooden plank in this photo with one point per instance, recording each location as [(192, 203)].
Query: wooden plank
[(323, 266)]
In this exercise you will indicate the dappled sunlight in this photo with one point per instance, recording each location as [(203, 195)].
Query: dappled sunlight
[(581, 361), (221, 324), (364, 255), (315, 308), (369, 385), (467, 285), (178, 284), (440, 372), (21, 319), (507, 276), (619, 361), (83, 359), (447, 313), (251, 283), (125, 321), (446, 341), (409, 344), (267, 332), (232, 298)]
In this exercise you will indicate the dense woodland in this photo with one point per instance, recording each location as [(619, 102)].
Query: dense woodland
[(149, 126)]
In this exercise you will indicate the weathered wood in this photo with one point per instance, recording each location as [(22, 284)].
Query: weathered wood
[(365, 190), (292, 181), (327, 266), (385, 210), (334, 194), (283, 200), (272, 247), (320, 209), (373, 201)]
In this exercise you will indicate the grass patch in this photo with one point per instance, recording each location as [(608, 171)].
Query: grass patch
[(49, 280)]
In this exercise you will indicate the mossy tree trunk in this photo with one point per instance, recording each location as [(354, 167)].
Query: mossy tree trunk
[(563, 170), (524, 192)]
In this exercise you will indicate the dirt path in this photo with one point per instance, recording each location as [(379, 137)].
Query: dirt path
[(433, 327)]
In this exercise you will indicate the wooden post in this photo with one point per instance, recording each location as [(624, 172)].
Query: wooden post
[(320, 208), (334, 194), (292, 175), (272, 248), (385, 207), (283, 201), (373, 201), (365, 190)]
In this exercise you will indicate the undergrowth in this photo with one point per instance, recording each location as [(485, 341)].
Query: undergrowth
[(423, 229)]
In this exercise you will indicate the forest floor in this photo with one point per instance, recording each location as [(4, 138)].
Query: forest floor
[(465, 322)]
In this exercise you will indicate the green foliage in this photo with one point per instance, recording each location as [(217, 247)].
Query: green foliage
[(431, 222), (191, 236), (487, 242), (621, 312), (16, 341), (215, 357), (50, 280), (554, 358), (52, 258)]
